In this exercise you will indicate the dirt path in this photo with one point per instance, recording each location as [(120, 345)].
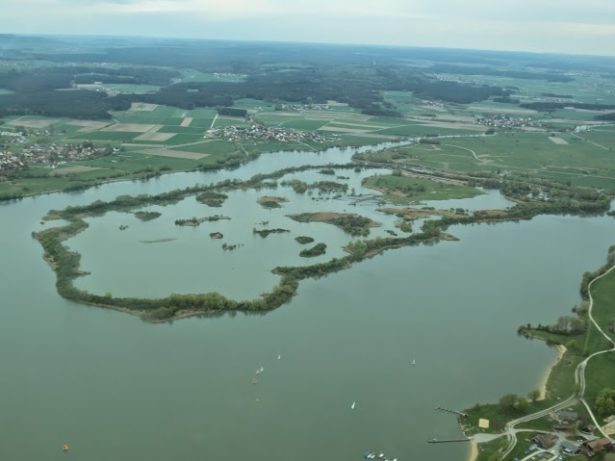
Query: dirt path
[(466, 149)]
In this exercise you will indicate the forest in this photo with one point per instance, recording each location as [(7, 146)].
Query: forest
[(357, 76)]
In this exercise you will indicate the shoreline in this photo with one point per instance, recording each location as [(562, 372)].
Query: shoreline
[(134, 176), (473, 451), (561, 351)]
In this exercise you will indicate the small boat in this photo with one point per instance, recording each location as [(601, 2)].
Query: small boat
[(354, 404), (262, 369), (254, 380), (413, 362), (279, 356), (65, 447)]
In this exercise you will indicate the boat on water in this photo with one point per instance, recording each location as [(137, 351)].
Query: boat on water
[(354, 404)]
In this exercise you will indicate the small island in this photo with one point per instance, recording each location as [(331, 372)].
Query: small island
[(268, 201), (350, 223), (264, 233), (147, 215), (304, 239), (212, 199), (402, 189), (195, 222), (317, 250)]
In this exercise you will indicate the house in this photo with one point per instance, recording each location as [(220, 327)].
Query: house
[(597, 446), (567, 417), (568, 447), (566, 420), (587, 428), (545, 441)]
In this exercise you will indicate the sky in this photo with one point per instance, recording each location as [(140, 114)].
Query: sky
[(560, 26)]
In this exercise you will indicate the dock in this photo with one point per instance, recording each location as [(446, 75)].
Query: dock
[(434, 440), (455, 412)]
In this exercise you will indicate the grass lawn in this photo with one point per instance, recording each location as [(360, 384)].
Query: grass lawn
[(489, 451)]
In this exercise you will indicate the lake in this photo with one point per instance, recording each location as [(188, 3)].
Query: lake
[(117, 388)]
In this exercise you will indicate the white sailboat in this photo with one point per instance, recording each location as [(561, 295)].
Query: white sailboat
[(354, 404)]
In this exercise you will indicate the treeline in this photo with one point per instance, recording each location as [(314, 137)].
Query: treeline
[(52, 78), (70, 103), (555, 95), (359, 87), (231, 111), (553, 106), (132, 75), (606, 117), (484, 70), (188, 96), (457, 92), (47, 91)]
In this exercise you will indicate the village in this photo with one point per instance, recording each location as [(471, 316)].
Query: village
[(570, 435), (568, 425), (506, 121), (17, 157), (258, 132)]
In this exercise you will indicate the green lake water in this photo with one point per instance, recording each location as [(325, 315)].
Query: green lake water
[(116, 388)]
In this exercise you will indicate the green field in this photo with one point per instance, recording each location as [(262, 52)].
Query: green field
[(579, 161), (404, 190), (583, 158), (601, 370)]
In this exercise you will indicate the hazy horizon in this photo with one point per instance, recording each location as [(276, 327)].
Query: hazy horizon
[(522, 25)]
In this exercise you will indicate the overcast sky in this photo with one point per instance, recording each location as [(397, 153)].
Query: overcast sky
[(568, 26)]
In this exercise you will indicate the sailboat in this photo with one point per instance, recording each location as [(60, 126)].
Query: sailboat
[(413, 362), (354, 404)]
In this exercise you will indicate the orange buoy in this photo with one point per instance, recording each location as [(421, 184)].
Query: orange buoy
[(65, 447)]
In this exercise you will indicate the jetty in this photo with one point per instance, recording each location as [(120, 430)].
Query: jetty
[(434, 440), (455, 412)]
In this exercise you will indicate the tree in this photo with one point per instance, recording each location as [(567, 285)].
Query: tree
[(508, 401), (605, 402), (514, 403), (534, 395)]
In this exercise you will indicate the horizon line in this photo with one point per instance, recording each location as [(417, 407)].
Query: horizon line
[(298, 42)]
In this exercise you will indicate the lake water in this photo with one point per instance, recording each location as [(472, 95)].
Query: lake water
[(116, 388)]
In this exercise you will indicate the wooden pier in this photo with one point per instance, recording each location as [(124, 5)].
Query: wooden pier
[(449, 440), (455, 412)]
